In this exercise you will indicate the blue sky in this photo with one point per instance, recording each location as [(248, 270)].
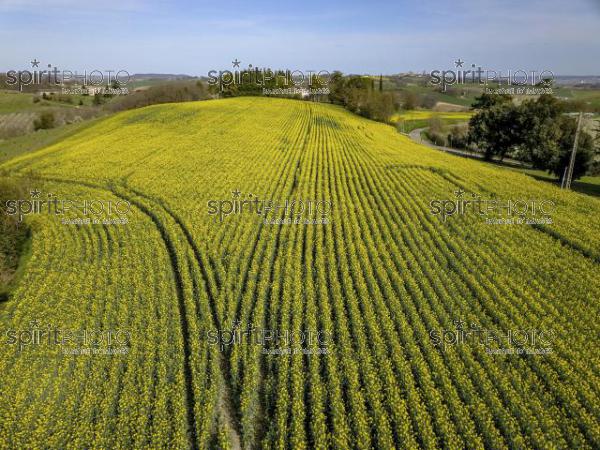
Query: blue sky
[(374, 36)]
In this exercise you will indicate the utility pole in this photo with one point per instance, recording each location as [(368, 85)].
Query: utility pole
[(573, 153)]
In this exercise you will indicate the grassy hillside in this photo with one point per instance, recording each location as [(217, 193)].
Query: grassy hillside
[(381, 278), (22, 102), (9, 148)]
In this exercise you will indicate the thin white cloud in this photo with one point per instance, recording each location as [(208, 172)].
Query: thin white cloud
[(43, 7), (499, 38)]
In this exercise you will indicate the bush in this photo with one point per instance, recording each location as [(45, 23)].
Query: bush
[(64, 98), (594, 170), (459, 136), (45, 121), (428, 101), (436, 131), (409, 100), (437, 137)]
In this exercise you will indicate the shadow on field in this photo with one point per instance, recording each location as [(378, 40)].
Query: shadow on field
[(577, 186)]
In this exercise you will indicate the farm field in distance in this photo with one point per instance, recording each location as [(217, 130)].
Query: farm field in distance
[(409, 304), (428, 114), (411, 120)]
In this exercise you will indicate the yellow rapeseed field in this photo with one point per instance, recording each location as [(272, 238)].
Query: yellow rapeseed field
[(409, 285)]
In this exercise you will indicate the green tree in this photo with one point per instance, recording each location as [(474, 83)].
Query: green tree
[(337, 88), (537, 131), (584, 157), (487, 101), (409, 100), (495, 130)]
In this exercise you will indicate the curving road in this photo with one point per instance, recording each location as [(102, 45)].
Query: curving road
[(415, 135)]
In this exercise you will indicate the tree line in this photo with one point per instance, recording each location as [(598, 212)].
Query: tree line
[(536, 131)]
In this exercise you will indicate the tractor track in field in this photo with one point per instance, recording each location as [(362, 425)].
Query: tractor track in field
[(183, 317), (225, 403), (190, 401), (294, 174)]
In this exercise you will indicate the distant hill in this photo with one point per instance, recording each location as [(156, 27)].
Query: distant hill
[(160, 76)]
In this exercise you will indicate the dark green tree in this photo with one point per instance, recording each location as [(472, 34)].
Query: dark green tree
[(586, 151), (486, 101), (337, 88), (495, 130), (537, 131)]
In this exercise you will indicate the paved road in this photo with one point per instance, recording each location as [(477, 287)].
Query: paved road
[(415, 135)]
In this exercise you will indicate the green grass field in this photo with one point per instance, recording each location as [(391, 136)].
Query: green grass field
[(9, 148), (386, 281), (590, 96), (411, 120), (427, 114), (11, 102), (18, 102), (446, 97)]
